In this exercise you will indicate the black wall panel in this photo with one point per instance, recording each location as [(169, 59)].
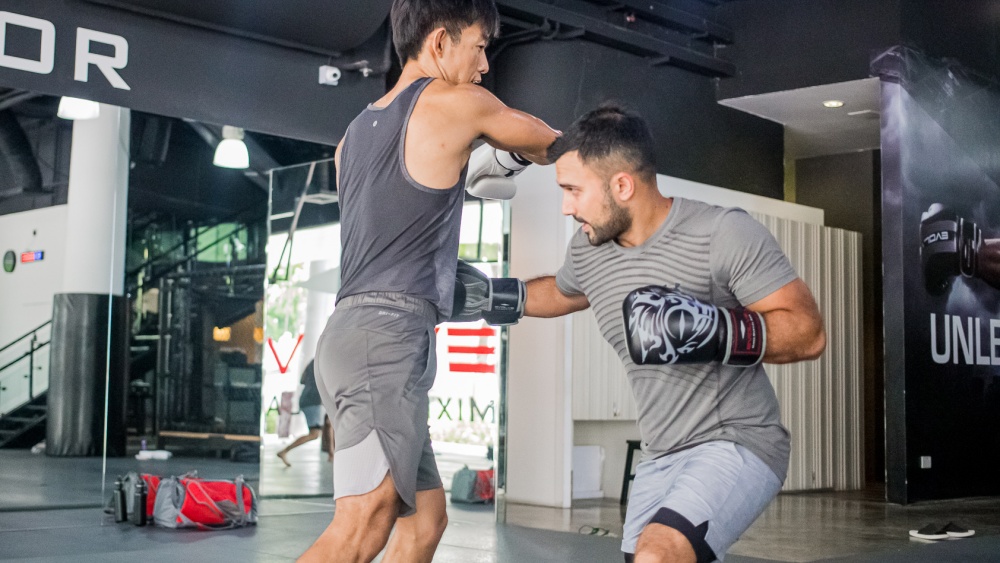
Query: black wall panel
[(184, 71), (787, 44), (968, 31), (697, 138)]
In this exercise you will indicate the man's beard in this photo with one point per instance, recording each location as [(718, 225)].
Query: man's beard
[(619, 222)]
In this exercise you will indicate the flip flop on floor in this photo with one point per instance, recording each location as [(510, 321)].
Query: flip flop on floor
[(931, 532), (958, 531)]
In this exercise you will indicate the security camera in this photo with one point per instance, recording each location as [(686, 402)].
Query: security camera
[(329, 75)]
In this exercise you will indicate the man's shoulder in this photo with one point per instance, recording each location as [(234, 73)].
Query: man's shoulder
[(454, 97), (701, 209), (699, 217)]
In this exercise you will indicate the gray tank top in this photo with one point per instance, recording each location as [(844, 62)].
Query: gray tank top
[(397, 235)]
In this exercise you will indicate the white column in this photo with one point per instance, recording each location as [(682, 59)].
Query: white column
[(98, 204), (539, 392), (322, 287)]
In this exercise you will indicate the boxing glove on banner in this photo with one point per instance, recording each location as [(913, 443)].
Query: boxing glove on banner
[(667, 326), (949, 247), (498, 301), (491, 173)]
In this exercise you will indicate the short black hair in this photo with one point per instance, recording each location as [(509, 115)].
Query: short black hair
[(610, 138), (413, 20)]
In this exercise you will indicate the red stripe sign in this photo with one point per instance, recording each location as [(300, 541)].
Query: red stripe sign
[(471, 349), (484, 331), (472, 368)]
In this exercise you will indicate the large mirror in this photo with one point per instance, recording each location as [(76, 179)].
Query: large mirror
[(303, 278), (197, 260), (62, 306), (132, 300), (217, 278)]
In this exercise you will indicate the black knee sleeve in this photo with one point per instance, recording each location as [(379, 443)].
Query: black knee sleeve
[(694, 534)]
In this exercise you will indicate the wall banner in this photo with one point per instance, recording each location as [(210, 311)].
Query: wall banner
[(941, 267)]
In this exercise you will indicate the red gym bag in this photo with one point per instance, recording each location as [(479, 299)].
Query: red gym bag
[(206, 504)]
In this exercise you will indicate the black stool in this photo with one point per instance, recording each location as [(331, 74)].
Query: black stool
[(633, 445)]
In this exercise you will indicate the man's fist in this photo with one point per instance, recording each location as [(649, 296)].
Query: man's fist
[(491, 173), (949, 246), (666, 326)]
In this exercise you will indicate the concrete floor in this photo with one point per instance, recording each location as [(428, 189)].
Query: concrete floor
[(803, 527), (29, 481), (287, 527), (796, 527)]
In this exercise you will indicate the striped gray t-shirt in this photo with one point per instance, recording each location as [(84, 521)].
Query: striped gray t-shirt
[(721, 256)]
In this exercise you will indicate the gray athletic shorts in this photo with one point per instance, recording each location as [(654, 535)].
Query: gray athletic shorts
[(711, 493), (375, 363), (314, 416)]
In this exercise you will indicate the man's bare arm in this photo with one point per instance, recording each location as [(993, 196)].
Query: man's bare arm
[(545, 300), (506, 128), (794, 326)]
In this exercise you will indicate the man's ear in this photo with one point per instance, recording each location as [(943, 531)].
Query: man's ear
[(435, 41), (623, 186)]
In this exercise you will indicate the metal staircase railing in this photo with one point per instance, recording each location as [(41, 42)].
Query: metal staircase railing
[(9, 365), (167, 255)]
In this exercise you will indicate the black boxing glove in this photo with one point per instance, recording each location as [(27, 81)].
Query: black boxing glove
[(949, 247), (666, 326), (498, 301)]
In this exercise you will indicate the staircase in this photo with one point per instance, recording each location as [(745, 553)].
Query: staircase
[(25, 426), (24, 379)]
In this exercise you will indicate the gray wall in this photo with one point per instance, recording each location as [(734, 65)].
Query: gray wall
[(848, 188)]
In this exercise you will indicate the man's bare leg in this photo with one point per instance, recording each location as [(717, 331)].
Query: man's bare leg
[(417, 536), (333, 443), (662, 544), (312, 435), (360, 527)]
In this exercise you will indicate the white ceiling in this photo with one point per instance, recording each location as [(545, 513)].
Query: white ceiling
[(814, 130)]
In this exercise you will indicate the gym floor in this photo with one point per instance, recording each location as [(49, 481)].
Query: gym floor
[(855, 526)]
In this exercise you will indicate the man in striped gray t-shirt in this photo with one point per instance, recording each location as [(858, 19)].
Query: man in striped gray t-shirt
[(692, 297)]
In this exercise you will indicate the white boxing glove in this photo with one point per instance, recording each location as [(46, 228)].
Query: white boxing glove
[(491, 173)]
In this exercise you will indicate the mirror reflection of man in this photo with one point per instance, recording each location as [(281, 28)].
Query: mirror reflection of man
[(311, 407)]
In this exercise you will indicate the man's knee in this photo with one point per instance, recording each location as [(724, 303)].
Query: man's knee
[(438, 526), (428, 527), (671, 537), (376, 508)]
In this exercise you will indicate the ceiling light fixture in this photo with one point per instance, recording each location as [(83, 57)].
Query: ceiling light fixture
[(232, 151), (76, 108), (833, 104)]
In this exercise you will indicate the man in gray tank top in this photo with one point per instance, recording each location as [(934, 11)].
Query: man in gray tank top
[(401, 169), (692, 297)]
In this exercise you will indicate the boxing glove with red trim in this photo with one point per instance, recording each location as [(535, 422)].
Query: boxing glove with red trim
[(667, 326)]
